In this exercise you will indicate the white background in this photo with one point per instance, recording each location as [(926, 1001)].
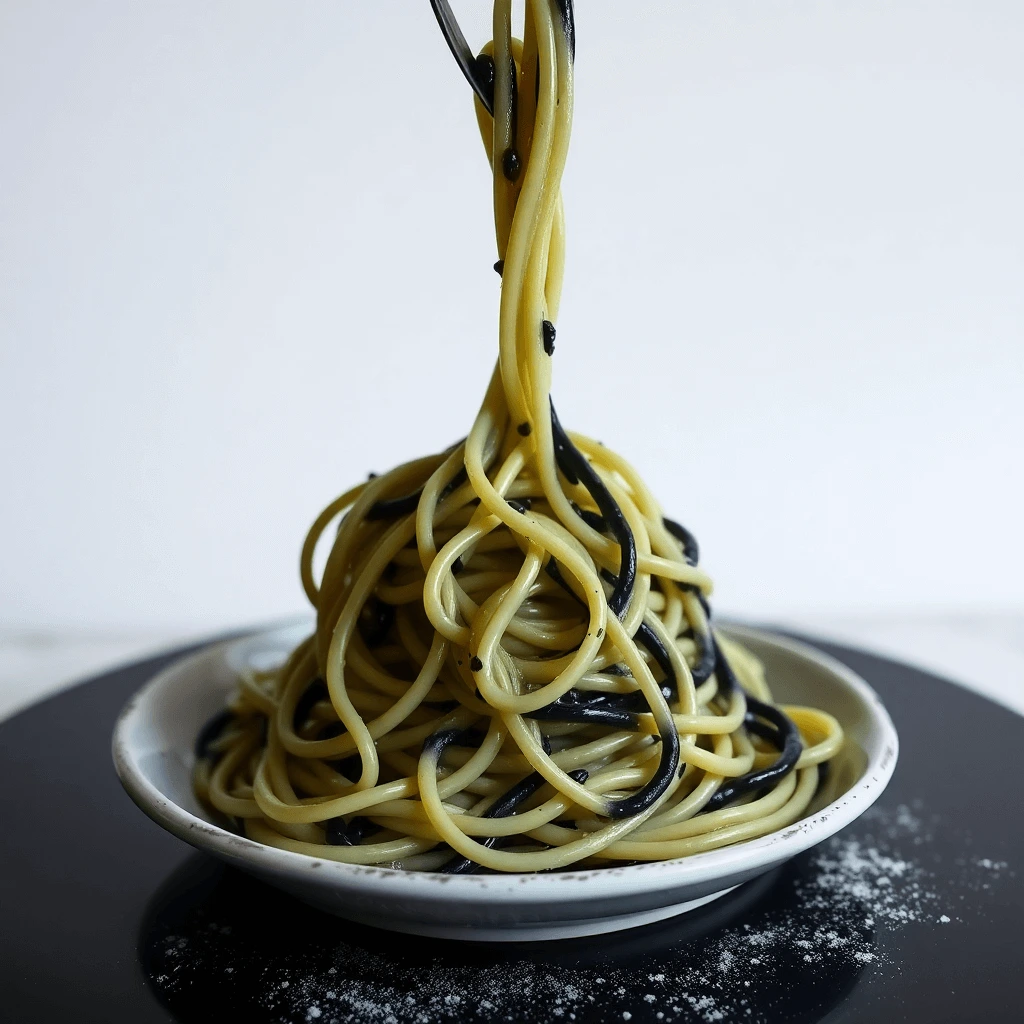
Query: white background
[(245, 257)]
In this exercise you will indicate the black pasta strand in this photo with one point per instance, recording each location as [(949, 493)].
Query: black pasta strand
[(642, 799), (619, 711), (691, 550), (635, 701), (728, 684), (786, 738), (505, 805), (393, 508), (577, 469), (551, 568), (615, 709), (665, 772), (648, 639), (437, 743), (568, 25), (339, 832), (767, 732), (593, 519), (586, 709), (705, 666)]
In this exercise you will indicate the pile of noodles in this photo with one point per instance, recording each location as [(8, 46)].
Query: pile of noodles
[(513, 665)]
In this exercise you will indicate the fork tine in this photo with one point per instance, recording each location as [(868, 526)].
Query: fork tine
[(479, 72)]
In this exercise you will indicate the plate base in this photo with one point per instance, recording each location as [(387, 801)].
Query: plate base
[(537, 931)]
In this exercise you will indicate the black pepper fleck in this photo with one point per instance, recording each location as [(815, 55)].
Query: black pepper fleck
[(547, 329), (510, 166)]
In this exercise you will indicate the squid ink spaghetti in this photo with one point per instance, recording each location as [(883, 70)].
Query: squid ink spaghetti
[(513, 666)]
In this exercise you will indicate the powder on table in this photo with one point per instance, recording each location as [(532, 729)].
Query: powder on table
[(813, 932)]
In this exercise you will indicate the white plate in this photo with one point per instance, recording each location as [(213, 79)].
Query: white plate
[(153, 744)]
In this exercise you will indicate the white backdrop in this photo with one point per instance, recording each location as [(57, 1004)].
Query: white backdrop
[(245, 257)]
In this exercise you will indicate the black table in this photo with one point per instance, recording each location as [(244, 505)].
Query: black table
[(913, 913)]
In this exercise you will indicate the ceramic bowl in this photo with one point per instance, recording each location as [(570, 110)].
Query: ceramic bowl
[(153, 753)]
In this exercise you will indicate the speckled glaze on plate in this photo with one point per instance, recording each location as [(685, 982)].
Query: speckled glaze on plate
[(152, 749)]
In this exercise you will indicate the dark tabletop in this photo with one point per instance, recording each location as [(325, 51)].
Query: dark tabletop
[(913, 913)]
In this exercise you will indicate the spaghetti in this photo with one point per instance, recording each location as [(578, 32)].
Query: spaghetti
[(513, 665)]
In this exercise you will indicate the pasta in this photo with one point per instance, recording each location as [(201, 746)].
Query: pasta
[(513, 666)]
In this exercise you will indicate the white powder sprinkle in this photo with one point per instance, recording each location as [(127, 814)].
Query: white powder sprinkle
[(822, 922), (992, 865)]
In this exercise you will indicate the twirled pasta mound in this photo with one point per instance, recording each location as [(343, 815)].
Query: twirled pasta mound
[(513, 665)]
